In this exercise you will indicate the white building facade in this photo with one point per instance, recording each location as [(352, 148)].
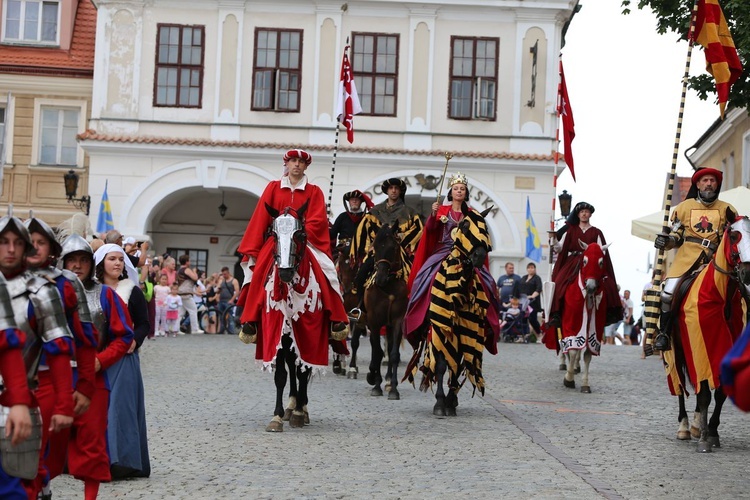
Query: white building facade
[(195, 103)]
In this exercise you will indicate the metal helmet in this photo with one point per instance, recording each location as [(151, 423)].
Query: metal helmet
[(72, 244), (37, 225), (11, 223)]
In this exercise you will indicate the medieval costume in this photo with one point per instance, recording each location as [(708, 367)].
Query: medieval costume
[(345, 225), (320, 303), (566, 270)]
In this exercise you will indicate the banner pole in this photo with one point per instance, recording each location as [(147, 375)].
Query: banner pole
[(652, 307)]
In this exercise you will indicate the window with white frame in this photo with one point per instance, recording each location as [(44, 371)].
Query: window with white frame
[(57, 144), (31, 21), (746, 160), (473, 78)]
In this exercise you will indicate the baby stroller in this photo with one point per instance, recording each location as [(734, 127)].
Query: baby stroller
[(514, 325)]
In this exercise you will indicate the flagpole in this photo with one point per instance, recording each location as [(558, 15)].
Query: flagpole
[(653, 303), (554, 177), (333, 169)]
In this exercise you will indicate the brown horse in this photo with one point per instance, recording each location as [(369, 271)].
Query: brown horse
[(346, 268), (385, 300)]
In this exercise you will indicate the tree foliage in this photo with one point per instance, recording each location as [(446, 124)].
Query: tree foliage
[(673, 16)]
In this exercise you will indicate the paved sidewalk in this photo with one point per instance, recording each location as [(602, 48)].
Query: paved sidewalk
[(208, 404)]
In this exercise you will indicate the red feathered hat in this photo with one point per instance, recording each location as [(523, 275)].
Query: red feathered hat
[(298, 153)]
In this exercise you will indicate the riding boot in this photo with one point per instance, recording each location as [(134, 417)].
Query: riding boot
[(662, 340)]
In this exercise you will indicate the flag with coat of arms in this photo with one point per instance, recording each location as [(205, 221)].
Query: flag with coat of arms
[(348, 101)]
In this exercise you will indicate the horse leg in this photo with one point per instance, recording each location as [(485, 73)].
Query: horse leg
[(713, 424), (298, 415), (279, 377), (695, 425), (353, 370), (563, 365), (704, 400), (440, 367), (451, 400), (290, 363), (569, 380), (373, 376), (337, 364), (585, 388), (387, 358), (683, 431), (393, 360)]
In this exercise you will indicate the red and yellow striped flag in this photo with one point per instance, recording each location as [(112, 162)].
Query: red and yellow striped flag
[(722, 61)]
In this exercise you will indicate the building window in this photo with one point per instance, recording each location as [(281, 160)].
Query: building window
[(198, 258), (3, 144), (473, 80), (58, 144), (31, 21), (277, 70), (179, 66), (375, 68)]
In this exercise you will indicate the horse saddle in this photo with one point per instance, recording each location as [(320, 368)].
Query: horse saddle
[(682, 288)]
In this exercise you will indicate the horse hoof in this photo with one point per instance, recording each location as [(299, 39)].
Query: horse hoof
[(297, 419), (683, 435), (577, 370), (450, 411), (287, 415), (352, 374), (438, 410), (695, 432), (569, 384), (371, 378), (337, 367), (714, 441), (276, 425), (563, 367), (376, 391), (387, 387), (394, 395), (704, 447), (586, 389), (307, 417)]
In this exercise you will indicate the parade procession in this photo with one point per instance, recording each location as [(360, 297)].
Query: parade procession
[(215, 214)]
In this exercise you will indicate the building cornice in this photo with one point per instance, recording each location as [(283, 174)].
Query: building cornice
[(717, 135), (45, 84)]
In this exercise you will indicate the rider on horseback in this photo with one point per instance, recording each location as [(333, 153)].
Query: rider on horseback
[(690, 234), (356, 204), (292, 190), (393, 209), (576, 228)]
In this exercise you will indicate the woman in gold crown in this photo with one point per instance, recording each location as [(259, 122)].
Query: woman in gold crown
[(435, 245)]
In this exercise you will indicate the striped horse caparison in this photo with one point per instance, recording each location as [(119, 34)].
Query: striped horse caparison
[(457, 315), (711, 315)]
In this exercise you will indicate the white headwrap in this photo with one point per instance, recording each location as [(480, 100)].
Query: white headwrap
[(111, 247)]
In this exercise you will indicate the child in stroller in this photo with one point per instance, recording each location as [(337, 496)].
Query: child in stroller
[(514, 320)]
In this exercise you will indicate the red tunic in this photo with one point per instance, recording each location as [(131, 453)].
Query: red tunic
[(310, 330)]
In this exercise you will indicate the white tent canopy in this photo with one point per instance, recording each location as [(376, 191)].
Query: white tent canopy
[(647, 227)]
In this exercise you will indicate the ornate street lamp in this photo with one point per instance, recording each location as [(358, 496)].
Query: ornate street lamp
[(565, 201), (222, 207), (71, 186)]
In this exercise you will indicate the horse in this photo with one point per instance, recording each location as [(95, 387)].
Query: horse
[(459, 300), (584, 315), (289, 290), (708, 319), (347, 270), (386, 298)]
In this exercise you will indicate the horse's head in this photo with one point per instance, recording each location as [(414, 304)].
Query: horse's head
[(289, 232), (473, 238), (738, 248), (592, 265), (387, 253)]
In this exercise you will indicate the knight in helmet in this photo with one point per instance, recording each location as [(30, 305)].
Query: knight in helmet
[(392, 210), (16, 397), (696, 230), (356, 204), (88, 458), (39, 312)]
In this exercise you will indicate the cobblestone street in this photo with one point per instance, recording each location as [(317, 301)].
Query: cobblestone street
[(208, 404)]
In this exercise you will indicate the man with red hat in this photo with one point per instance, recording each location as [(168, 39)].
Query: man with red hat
[(697, 227), (292, 190)]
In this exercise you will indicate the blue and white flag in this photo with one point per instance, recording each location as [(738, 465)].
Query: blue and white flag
[(106, 221), (533, 243)]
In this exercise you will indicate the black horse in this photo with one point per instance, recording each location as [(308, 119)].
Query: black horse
[(385, 300)]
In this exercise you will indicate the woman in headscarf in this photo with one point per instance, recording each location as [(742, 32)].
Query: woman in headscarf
[(126, 432)]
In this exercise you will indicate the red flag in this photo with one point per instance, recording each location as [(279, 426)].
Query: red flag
[(348, 102), (568, 125), (722, 61)]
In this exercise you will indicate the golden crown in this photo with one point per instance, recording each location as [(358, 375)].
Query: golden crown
[(459, 178)]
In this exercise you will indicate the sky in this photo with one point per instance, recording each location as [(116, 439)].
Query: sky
[(624, 84)]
